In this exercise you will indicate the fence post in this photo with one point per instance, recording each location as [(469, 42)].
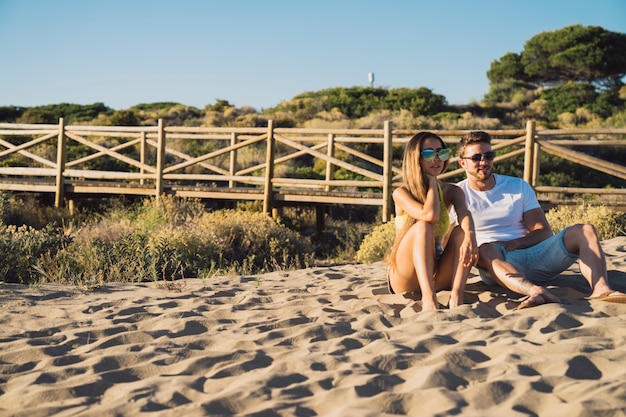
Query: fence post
[(535, 177), (330, 168), (61, 157), (269, 168), (233, 160), (387, 172), (529, 150), (160, 162), (142, 155)]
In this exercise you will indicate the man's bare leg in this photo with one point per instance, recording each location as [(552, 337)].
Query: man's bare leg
[(583, 240), (510, 277)]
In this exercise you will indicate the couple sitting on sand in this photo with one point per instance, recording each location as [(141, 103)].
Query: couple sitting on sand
[(500, 227)]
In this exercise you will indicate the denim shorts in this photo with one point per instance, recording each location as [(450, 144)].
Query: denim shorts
[(541, 263)]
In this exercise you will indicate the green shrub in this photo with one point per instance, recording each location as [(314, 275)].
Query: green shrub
[(609, 223), (29, 211), (376, 245), (172, 240), (252, 240), (339, 241), (22, 247)]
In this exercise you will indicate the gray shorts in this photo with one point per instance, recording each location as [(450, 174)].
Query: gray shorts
[(540, 263)]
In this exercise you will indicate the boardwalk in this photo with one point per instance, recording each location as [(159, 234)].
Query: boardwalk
[(278, 166)]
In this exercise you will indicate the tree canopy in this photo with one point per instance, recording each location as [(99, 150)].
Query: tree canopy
[(585, 54)]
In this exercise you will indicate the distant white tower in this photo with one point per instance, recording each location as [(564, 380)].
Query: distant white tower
[(370, 77)]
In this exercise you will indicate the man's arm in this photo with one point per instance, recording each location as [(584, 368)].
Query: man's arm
[(538, 231)]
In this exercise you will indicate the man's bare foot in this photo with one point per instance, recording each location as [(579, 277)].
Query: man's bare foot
[(610, 296), (535, 300)]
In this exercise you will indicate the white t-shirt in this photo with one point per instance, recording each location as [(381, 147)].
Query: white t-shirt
[(497, 213)]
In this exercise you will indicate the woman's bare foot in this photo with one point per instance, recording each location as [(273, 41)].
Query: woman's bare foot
[(455, 300), (430, 304)]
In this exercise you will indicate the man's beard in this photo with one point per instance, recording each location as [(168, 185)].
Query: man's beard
[(483, 174)]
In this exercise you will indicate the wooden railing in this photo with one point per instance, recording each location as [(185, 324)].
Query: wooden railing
[(341, 166)]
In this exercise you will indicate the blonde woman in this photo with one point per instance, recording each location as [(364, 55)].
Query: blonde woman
[(428, 254)]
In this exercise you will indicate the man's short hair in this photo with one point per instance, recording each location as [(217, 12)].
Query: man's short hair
[(475, 136)]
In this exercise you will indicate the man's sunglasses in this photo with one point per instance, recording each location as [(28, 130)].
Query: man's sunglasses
[(477, 157), (429, 154)]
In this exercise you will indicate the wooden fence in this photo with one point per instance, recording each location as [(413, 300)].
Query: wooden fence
[(278, 166)]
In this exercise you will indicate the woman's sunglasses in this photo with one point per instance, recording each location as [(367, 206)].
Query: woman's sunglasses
[(429, 154)]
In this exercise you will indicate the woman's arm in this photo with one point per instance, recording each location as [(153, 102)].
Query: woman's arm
[(429, 211)]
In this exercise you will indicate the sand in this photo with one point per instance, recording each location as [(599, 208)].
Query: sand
[(322, 341)]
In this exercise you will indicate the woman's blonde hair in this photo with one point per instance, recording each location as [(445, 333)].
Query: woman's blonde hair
[(414, 180), (412, 174)]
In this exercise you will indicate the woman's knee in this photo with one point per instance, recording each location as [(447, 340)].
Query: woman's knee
[(423, 228)]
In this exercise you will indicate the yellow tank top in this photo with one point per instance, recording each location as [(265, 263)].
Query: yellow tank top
[(441, 227)]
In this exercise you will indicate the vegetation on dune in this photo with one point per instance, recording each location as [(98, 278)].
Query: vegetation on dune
[(175, 239), (180, 238)]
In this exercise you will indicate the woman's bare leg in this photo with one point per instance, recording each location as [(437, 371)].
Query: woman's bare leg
[(451, 273), (415, 264)]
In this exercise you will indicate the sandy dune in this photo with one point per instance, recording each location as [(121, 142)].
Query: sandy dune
[(324, 341)]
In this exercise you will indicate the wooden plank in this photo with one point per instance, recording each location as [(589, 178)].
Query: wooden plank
[(114, 149), (27, 172), (28, 187), (215, 194), (329, 199), (278, 160), (195, 160), (601, 165), (359, 154), (210, 129), (580, 190), (112, 189), (586, 131), (591, 142), (107, 175), (16, 148), (27, 154), (107, 151), (322, 183), (95, 130), (335, 161)]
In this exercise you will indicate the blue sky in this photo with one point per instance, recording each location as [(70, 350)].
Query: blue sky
[(261, 52)]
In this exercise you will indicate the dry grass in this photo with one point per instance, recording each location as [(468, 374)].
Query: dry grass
[(172, 240)]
